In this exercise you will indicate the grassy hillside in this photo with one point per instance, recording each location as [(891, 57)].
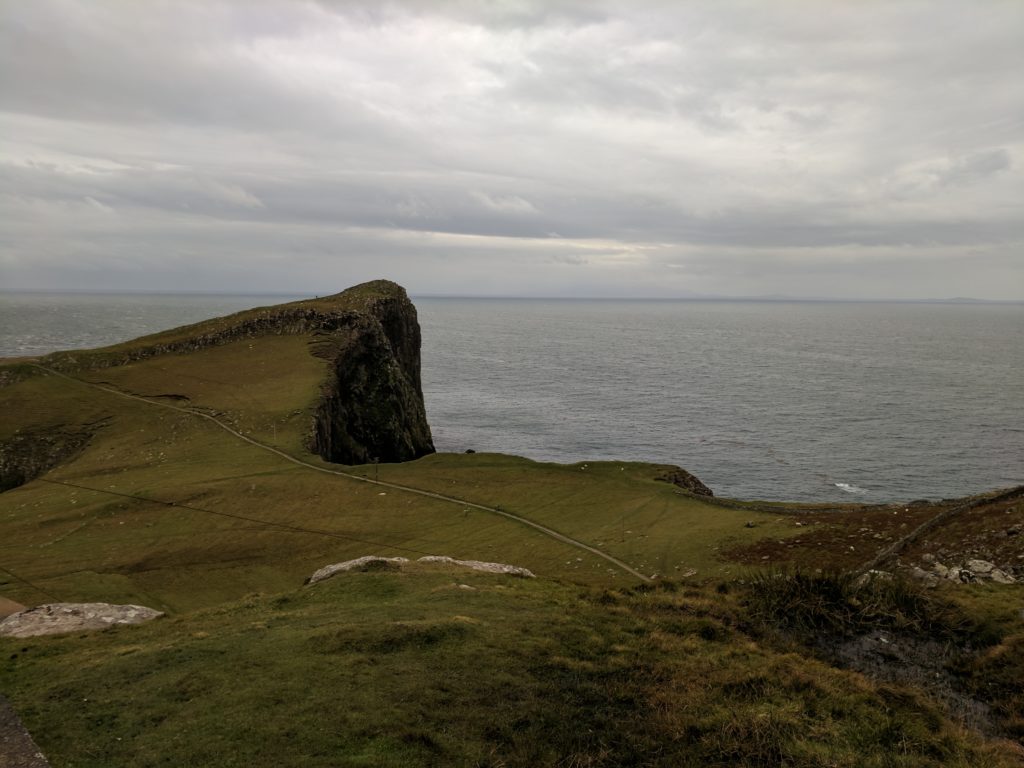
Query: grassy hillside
[(437, 667), (195, 495)]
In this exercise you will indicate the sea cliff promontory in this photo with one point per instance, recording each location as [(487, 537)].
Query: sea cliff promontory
[(371, 401)]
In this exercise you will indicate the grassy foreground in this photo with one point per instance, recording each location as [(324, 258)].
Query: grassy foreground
[(429, 666)]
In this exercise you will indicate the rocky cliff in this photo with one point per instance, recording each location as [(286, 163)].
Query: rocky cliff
[(371, 404), (26, 455)]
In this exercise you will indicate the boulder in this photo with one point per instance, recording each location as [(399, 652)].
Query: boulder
[(373, 562), (59, 618), (980, 567), (478, 565), (369, 562), (1001, 577)]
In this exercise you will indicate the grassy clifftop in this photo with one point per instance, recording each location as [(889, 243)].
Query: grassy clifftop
[(294, 318)]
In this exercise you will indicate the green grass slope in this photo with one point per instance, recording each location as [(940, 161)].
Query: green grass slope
[(436, 667), (98, 536)]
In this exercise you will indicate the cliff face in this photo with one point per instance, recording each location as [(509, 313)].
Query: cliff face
[(372, 403), (27, 455)]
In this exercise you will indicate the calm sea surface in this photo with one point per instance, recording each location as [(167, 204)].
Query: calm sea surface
[(771, 400)]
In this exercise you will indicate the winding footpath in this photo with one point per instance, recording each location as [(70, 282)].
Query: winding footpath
[(561, 537)]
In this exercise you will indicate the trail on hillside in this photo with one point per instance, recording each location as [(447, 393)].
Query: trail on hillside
[(561, 537)]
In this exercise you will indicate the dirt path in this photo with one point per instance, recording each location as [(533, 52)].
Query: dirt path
[(17, 750), (394, 486)]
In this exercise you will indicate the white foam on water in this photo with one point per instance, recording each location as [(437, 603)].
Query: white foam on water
[(849, 488)]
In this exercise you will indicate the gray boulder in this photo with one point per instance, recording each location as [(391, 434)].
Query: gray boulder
[(59, 618)]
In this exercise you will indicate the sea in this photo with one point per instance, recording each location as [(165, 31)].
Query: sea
[(773, 400)]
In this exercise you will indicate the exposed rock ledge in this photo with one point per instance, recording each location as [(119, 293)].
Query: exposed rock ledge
[(58, 618), (372, 562), (26, 455), (682, 479)]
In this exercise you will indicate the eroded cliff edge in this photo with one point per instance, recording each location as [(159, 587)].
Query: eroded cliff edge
[(371, 406)]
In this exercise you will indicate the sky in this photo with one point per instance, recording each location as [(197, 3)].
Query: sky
[(621, 149)]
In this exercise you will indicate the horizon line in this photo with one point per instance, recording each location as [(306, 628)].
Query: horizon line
[(523, 297)]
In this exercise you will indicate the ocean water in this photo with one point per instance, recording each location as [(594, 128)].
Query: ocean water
[(773, 400)]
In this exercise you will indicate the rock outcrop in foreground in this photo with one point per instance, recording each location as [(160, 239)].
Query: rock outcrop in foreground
[(58, 618), (375, 563)]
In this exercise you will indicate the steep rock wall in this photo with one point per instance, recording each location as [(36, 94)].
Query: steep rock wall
[(371, 406), (29, 454)]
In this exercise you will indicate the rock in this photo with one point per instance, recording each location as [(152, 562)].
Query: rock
[(980, 567), (359, 564), (1013, 530), (58, 618), (928, 557), (371, 406), (870, 576), (478, 565), (371, 403), (750, 524), (940, 570), (372, 562), (26, 455), (682, 479), (929, 578), (1001, 577), (470, 450)]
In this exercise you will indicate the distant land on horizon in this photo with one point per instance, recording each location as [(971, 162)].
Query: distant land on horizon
[(692, 297)]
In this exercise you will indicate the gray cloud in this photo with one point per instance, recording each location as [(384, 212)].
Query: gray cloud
[(531, 147)]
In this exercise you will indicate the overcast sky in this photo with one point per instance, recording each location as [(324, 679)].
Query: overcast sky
[(837, 149)]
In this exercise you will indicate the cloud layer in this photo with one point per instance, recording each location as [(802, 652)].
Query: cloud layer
[(577, 148)]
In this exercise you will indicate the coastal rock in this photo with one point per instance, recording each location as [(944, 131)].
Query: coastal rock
[(59, 618), (683, 479), (371, 404), (371, 407)]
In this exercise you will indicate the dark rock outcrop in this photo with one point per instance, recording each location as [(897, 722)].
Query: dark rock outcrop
[(26, 455), (683, 479), (372, 404)]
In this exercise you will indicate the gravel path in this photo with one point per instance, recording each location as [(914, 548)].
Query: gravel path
[(17, 750), (395, 486)]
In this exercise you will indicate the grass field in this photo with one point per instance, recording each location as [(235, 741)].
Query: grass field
[(431, 666)]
